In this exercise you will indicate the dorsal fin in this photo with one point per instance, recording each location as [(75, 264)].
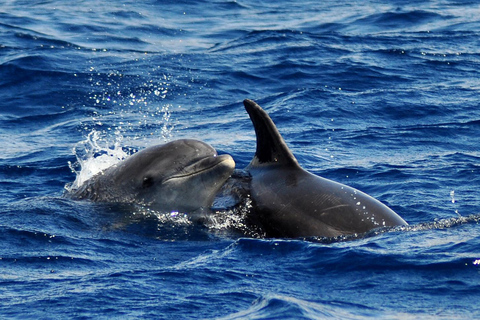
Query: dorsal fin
[(271, 148)]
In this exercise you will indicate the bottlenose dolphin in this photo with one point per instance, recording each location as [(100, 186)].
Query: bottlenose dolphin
[(182, 175), (288, 201)]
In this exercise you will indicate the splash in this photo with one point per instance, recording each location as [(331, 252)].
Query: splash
[(444, 223), (131, 104), (439, 224), (94, 155), (233, 219), (128, 110)]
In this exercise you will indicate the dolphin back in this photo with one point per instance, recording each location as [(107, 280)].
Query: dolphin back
[(291, 202)]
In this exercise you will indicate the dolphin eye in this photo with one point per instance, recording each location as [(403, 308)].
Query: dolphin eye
[(147, 182)]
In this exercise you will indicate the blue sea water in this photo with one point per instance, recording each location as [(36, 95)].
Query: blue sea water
[(379, 95)]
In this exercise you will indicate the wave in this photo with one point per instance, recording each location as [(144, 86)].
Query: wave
[(282, 306), (398, 20)]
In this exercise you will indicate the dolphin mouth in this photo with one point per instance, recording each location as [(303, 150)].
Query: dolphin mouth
[(204, 165)]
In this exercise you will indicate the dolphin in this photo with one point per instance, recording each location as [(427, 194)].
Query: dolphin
[(288, 201), (183, 175)]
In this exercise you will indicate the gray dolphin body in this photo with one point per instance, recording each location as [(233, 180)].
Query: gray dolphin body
[(291, 202), (182, 175)]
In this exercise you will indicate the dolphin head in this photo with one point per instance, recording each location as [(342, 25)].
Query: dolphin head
[(182, 175)]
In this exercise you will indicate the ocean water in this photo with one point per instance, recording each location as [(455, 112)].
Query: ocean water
[(379, 95)]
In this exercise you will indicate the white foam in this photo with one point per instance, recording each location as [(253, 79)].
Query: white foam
[(94, 157)]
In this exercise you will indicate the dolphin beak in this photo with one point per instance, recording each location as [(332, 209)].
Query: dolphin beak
[(221, 163)]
